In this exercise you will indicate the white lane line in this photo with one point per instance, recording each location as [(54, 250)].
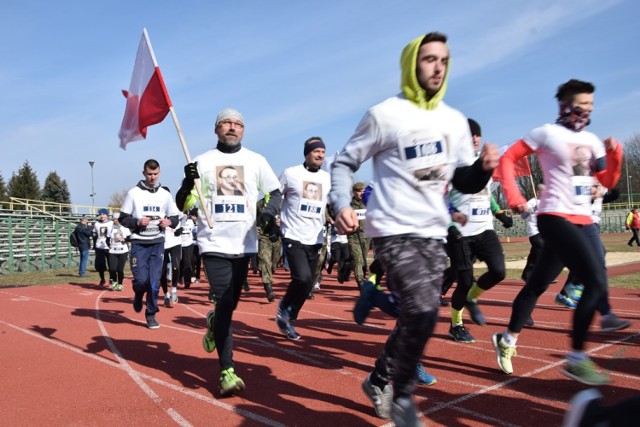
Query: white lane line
[(173, 414), (210, 400)]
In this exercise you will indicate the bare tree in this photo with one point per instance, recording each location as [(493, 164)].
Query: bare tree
[(117, 199), (630, 177)]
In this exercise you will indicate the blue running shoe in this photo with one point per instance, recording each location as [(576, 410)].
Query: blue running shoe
[(282, 319), (565, 301), (364, 304), (424, 378)]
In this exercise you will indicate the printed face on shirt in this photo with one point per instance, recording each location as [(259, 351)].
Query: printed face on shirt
[(230, 131), (151, 177), (229, 182), (311, 191), (582, 161), (315, 158), (432, 63)]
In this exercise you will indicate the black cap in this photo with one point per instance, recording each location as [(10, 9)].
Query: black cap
[(474, 127)]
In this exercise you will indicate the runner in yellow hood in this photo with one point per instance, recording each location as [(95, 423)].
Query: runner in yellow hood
[(411, 87)]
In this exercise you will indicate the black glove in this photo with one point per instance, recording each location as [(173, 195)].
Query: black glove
[(191, 171), (178, 232), (505, 219), (453, 234)]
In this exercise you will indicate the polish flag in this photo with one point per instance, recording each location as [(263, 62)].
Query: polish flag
[(148, 102), (520, 168)]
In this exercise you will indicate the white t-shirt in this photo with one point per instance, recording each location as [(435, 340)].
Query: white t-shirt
[(568, 162), (414, 153), (118, 235), (305, 200), (477, 208), (531, 217), (188, 228), (102, 230), (234, 215), (157, 205)]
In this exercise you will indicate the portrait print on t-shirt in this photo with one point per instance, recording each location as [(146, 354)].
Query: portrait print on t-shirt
[(230, 180), (230, 202), (311, 203), (581, 160), (426, 156)]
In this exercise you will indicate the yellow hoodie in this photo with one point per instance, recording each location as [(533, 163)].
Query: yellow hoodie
[(409, 84)]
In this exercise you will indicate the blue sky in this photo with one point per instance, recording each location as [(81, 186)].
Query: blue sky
[(295, 69)]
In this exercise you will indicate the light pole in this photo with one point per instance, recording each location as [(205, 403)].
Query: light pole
[(630, 192), (93, 192)]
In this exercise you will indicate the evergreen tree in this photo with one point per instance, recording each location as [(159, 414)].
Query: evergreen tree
[(56, 190), (3, 190), (24, 184)]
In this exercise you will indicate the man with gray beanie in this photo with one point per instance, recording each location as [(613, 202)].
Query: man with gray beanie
[(227, 247)]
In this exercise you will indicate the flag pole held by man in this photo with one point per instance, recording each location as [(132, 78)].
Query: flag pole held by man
[(148, 103)]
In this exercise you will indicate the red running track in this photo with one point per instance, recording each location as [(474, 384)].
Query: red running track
[(74, 354)]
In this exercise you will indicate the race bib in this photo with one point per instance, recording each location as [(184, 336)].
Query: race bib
[(362, 214), (229, 208), (582, 186), (479, 209), (152, 229), (425, 156), (310, 208)]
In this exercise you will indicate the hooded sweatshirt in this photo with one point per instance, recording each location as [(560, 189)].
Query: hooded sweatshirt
[(415, 143)]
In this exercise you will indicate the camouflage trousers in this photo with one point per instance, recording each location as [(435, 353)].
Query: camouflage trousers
[(414, 268), (358, 249), (268, 256)]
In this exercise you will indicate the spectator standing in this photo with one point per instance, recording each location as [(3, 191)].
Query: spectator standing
[(83, 232)]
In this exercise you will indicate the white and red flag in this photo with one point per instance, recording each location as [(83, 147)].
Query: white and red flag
[(520, 168), (148, 101)]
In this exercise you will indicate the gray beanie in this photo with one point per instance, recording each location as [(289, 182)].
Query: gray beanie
[(229, 113)]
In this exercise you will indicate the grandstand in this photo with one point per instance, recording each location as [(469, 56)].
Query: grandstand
[(34, 235)]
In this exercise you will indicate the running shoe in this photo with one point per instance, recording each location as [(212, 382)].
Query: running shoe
[(565, 301), (424, 378), (443, 302), (504, 353), (208, 341), (475, 313), (291, 333), (611, 322), (404, 413), (119, 287), (585, 372), (460, 334), (381, 399), (152, 323), (167, 301), (245, 286), (230, 382), (282, 319), (113, 286)]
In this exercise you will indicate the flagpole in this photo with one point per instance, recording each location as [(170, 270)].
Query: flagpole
[(178, 128), (188, 157)]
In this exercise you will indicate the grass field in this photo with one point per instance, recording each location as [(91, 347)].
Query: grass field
[(515, 250)]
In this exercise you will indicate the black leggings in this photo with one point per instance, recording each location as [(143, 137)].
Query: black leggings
[(486, 247), (116, 267), (577, 247), (303, 260)]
